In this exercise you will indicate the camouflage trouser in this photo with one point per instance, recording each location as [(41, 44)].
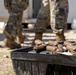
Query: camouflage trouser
[(54, 15), (14, 25)]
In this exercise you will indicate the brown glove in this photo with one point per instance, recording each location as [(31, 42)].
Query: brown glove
[(52, 43), (60, 47), (52, 49), (66, 43), (39, 46), (38, 42), (71, 48)]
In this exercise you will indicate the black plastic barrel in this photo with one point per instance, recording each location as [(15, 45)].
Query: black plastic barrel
[(28, 62)]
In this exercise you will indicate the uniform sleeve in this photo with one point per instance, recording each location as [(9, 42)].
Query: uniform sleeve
[(7, 4)]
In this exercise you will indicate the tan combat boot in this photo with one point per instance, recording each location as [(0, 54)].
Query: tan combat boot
[(60, 37), (10, 44), (20, 38), (37, 36)]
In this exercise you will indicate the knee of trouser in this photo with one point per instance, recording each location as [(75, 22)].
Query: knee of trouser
[(41, 25), (43, 13), (39, 29), (59, 24)]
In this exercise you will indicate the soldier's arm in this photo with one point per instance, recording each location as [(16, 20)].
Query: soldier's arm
[(7, 4)]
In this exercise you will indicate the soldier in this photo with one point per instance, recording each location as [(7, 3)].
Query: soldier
[(13, 29), (54, 13)]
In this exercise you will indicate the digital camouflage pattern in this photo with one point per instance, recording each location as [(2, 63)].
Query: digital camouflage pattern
[(54, 13), (14, 24), (16, 4), (7, 4)]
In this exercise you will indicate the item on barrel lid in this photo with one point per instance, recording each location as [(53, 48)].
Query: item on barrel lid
[(71, 48), (39, 48), (66, 43), (52, 49), (52, 43), (60, 50), (38, 42), (60, 47), (74, 53)]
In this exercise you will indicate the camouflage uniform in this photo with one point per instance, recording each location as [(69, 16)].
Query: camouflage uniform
[(54, 14), (14, 24)]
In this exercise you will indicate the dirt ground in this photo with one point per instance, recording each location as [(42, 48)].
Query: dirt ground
[(6, 67)]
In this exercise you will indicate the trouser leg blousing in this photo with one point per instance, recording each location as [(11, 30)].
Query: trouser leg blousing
[(60, 37)]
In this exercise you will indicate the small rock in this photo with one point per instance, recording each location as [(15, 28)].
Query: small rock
[(5, 56), (0, 46)]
